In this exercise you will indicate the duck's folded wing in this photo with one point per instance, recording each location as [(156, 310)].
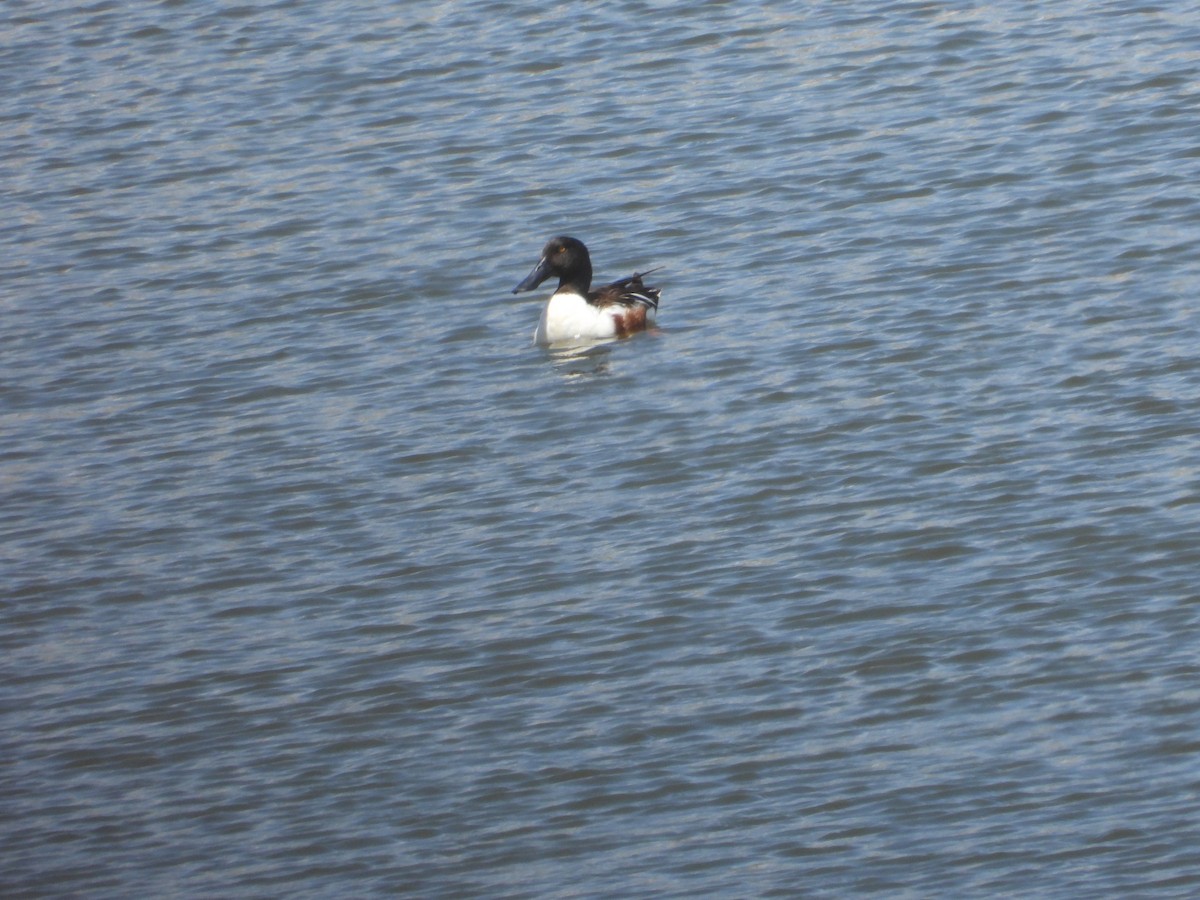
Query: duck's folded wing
[(627, 292)]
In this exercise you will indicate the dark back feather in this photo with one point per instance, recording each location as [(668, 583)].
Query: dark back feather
[(626, 292)]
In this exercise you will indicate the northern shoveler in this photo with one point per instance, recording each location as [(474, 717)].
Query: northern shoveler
[(575, 312)]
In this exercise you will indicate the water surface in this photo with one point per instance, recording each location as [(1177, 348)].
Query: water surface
[(871, 571)]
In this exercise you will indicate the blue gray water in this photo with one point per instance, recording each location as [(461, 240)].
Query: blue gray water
[(874, 570)]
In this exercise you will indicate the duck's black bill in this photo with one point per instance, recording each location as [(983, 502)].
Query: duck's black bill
[(539, 274)]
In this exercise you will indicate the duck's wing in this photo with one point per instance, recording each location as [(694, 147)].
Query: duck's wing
[(627, 292)]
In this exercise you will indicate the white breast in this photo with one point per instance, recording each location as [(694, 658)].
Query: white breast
[(569, 317)]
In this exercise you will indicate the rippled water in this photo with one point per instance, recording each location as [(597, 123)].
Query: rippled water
[(873, 570)]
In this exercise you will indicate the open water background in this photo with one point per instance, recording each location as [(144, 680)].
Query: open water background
[(876, 570)]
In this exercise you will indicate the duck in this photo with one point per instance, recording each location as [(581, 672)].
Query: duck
[(575, 313)]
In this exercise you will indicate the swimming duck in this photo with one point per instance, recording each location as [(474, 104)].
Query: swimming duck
[(575, 312)]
